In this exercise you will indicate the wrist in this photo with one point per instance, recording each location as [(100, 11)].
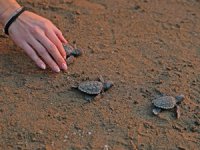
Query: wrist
[(8, 12)]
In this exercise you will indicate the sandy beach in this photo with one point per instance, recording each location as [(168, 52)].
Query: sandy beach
[(146, 47)]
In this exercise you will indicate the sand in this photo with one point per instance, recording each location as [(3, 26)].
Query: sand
[(145, 47)]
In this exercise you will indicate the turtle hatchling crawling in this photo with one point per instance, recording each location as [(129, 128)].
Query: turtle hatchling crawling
[(72, 51), (167, 102), (93, 88)]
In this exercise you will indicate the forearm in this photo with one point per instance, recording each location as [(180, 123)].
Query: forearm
[(7, 8)]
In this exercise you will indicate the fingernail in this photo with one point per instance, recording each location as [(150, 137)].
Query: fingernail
[(64, 66), (43, 66), (56, 69), (65, 57)]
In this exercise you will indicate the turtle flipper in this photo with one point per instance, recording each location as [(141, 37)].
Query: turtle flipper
[(178, 112), (156, 111), (101, 79), (75, 86)]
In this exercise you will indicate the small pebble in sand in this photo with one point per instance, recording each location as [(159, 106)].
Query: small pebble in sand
[(106, 147), (65, 136)]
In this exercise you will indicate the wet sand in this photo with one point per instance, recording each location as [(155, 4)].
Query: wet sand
[(145, 47)]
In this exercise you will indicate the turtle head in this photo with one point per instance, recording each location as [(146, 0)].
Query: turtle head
[(180, 98), (107, 85), (77, 52)]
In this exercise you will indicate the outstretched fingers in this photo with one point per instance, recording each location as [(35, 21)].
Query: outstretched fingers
[(60, 35), (52, 36), (41, 40), (52, 49), (33, 55), (43, 53)]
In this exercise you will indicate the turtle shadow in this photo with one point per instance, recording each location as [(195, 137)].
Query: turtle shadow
[(166, 115), (84, 96)]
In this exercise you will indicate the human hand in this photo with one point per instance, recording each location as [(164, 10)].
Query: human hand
[(40, 39)]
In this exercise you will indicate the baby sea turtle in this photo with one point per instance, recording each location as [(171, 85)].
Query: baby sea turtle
[(72, 51), (93, 88), (167, 102)]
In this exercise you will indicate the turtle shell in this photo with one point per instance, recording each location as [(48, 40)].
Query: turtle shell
[(68, 49), (165, 102), (91, 87)]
